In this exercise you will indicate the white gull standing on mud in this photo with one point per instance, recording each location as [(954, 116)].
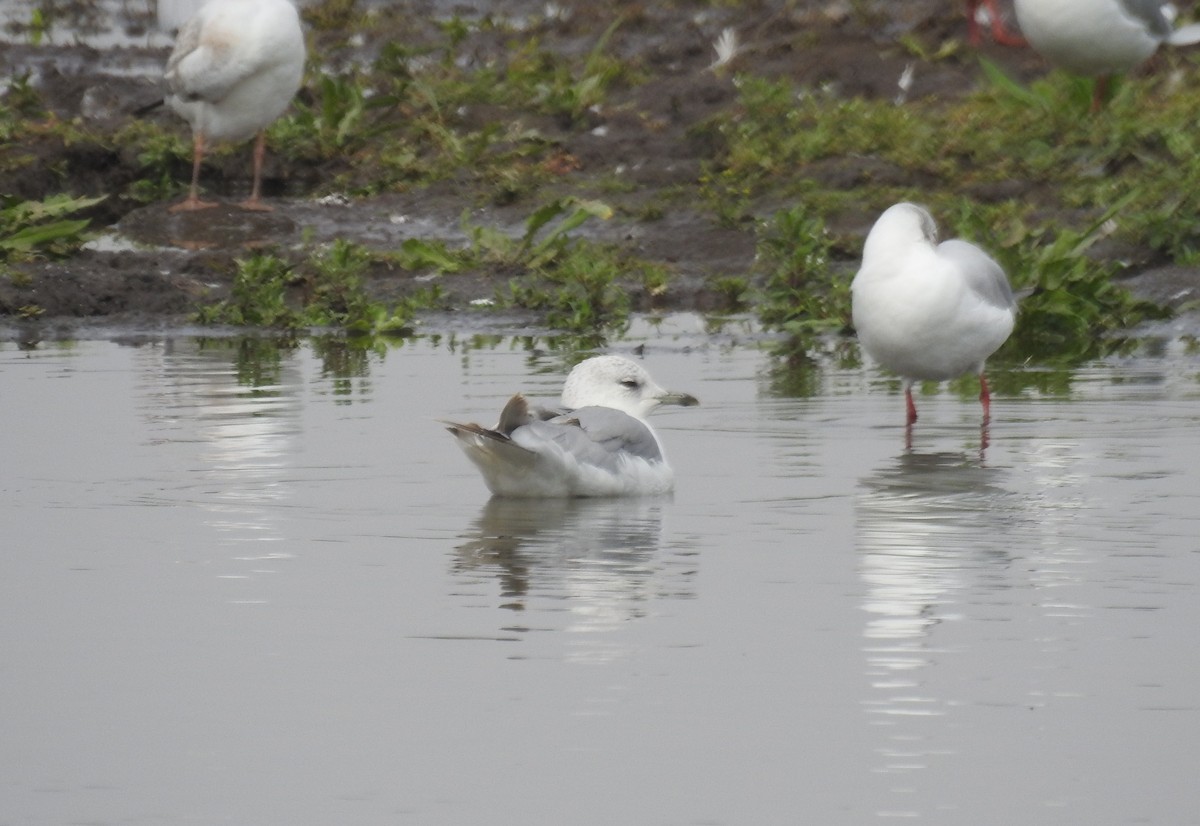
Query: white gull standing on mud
[(235, 68), (598, 444), (1100, 38), (929, 311)]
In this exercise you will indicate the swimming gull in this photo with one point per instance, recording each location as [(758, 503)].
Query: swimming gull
[(235, 68), (929, 311), (597, 444), (1000, 32), (1100, 38)]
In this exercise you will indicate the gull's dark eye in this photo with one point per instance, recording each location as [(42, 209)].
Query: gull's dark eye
[(631, 384)]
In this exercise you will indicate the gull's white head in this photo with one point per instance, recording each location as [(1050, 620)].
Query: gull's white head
[(614, 381), (900, 227)]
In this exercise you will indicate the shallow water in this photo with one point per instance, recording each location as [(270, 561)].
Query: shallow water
[(249, 587)]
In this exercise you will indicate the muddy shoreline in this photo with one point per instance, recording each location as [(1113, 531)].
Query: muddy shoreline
[(151, 269)]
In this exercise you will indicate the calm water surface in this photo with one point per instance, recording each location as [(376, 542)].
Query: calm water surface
[(245, 588)]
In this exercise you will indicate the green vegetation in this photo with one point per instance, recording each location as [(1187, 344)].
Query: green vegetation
[(1072, 306), (788, 143), (803, 293), (162, 157), (578, 284), (1131, 175), (408, 119), (501, 114), (327, 290), (41, 228), (581, 293)]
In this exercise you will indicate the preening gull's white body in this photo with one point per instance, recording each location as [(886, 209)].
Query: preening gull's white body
[(170, 15), (235, 68), (1100, 38), (929, 311), (598, 444)]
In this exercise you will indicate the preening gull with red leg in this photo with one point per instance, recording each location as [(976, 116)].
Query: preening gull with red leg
[(235, 68), (928, 311)]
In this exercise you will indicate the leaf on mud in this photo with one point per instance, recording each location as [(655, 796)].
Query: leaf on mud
[(26, 239), (23, 226), (418, 254)]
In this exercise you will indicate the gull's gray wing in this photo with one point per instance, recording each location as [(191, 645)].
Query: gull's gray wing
[(616, 432), (983, 275), (1148, 13), (596, 436)]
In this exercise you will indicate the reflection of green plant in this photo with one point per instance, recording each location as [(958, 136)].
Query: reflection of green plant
[(345, 359), (258, 362), (798, 362), (29, 228), (1011, 378)]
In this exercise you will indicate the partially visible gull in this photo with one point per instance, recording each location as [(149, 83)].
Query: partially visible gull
[(1000, 32), (1101, 38), (235, 68), (929, 311), (170, 15), (597, 444)]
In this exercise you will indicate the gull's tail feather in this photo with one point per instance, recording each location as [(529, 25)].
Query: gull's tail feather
[(462, 430), (491, 448), (491, 451), (1188, 35), (515, 414)]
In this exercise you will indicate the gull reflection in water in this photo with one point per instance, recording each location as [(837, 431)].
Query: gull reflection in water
[(600, 556), (238, 400), (931, 528)]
